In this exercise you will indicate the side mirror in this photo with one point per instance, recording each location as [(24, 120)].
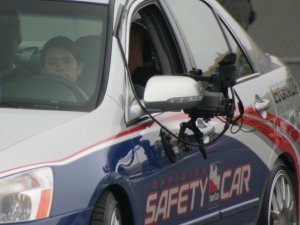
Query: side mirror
[(167, 93)]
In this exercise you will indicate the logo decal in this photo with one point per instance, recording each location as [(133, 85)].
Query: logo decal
[(214, 183), (175, 197)]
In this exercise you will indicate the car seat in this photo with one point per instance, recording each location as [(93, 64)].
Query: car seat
[(89, 52), (28, 57)]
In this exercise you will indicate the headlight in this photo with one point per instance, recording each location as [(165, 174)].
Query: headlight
[(26, 196)]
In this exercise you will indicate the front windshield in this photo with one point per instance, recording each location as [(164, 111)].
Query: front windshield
[(51, 54)]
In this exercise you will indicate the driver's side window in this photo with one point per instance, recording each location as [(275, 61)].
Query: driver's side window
[(150, 48), (143, 60)]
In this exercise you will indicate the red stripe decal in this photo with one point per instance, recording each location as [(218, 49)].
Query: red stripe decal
[(275, 137), (121, 134), (280, 141), (279, 122)]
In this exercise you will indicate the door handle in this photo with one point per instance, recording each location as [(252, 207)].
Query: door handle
[(262, 105)]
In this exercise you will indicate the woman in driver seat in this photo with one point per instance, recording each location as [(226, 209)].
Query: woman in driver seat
[(60, 58)]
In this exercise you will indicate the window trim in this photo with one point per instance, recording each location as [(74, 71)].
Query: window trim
[(169, 40), (233, 35)]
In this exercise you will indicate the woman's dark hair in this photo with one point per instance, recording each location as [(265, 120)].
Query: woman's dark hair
[(60, 42)]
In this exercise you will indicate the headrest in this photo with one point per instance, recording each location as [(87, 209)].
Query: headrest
[(29, 59), (89, 48)]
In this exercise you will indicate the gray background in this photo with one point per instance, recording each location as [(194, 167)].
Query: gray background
[(277, 30)]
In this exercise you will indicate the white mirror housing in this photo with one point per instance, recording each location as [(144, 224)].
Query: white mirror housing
[(170, 92)]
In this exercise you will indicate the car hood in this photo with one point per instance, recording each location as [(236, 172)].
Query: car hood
[(17, 125)]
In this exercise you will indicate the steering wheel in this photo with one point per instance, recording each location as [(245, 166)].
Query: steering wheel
[(45, 87), (80, 95)]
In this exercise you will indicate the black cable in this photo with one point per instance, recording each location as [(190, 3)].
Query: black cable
[(240, 117), (226, 126)]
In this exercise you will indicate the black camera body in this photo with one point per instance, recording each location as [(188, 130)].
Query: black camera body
[(216, 101)]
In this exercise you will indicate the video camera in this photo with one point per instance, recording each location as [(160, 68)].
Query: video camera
[(216, 101)]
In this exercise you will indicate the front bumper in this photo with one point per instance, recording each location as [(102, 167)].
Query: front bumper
[(75, 218)]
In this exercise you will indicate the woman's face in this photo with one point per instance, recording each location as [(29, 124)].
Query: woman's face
[(60, 62)]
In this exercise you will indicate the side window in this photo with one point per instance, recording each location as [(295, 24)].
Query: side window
[(143, 59), (152, 50), (243, 63), (204, 35)]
